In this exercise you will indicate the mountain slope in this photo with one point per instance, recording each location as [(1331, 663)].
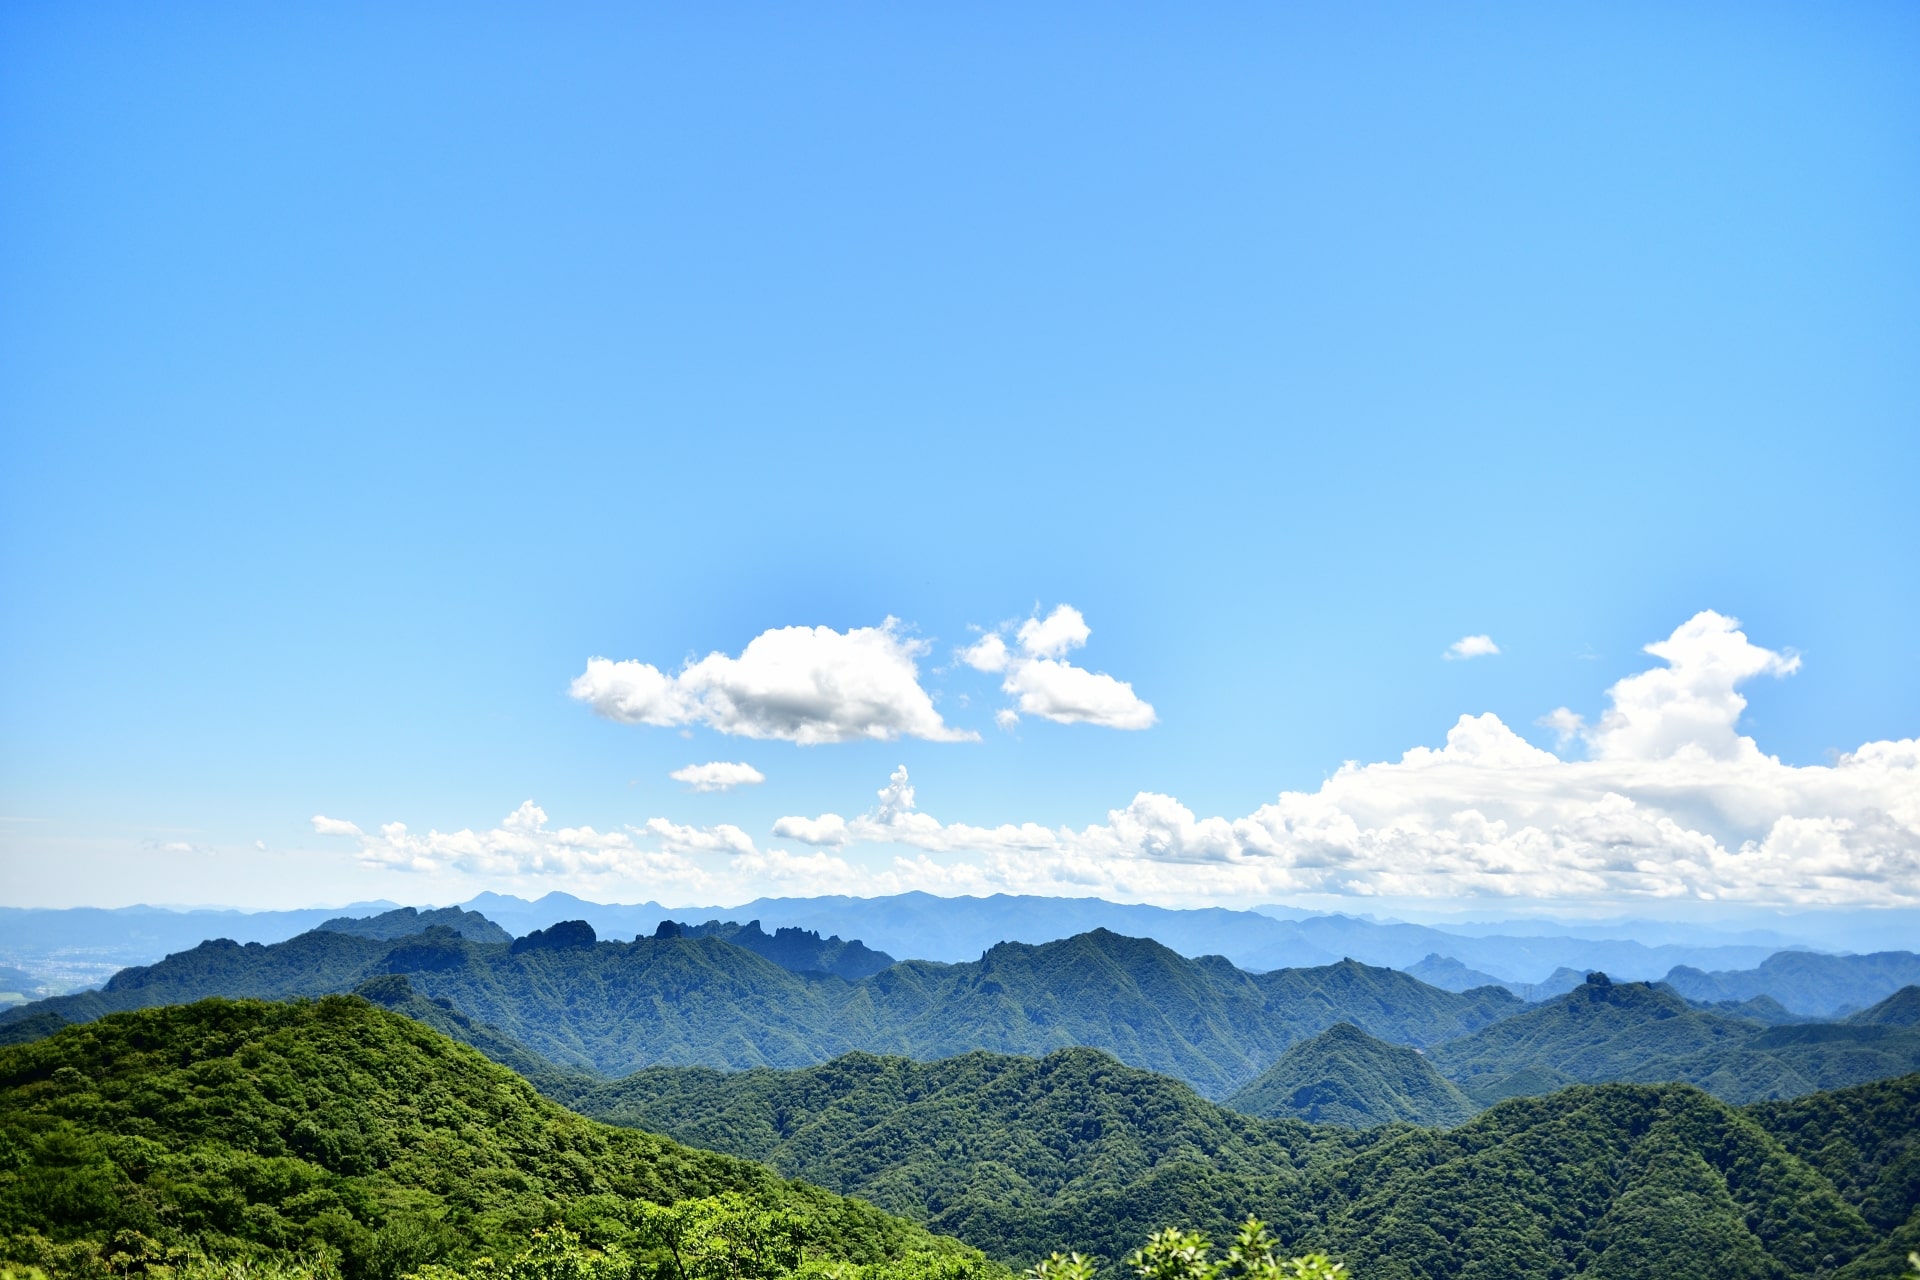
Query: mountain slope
[(1863, 1140), (1344, 1076), (801, 950), (614, 1007), (1613, 1181), (976, 1138), (1076, 1151), (1600, 1031), (335, 1124), (1605, 1031), (1449, 974), (1901, 1009)]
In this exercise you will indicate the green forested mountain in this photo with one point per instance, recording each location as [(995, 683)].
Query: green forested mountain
[(1013, 1150), (1901, 1009), (1866, 1142), (337, 1124), (801, 950), (614, 1007), (238, 1126), (1076, 1151), (1346, 1077), (1604, 1031), (1606, 1181)]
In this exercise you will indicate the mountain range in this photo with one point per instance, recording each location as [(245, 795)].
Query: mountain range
[(612, 1007), (87, 944), (1608, 1031), (562, 997), (338, 1125)]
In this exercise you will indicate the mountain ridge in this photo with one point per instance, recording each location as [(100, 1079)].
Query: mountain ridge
[(611, 1007)]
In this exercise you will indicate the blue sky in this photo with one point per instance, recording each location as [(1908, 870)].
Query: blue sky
[(364, 373)]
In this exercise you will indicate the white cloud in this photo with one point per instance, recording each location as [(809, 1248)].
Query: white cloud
[(671, 861), (800, 684), (1471, 647), (674, 838), (523, 846), (827, 829), (1689, 706), (1672, 802), (1045, 685), (718, 776), (989, 653), (1060, 631), (1566, 725)]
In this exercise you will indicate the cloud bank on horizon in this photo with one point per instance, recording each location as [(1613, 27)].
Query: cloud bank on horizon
[(1670, 801)]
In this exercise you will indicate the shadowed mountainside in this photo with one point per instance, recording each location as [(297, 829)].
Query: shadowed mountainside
[(1346, 1077)]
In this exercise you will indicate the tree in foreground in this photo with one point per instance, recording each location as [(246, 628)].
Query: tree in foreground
[(1174, 1254)]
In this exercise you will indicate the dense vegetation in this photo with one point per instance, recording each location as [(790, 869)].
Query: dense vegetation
[(613, 1007), (1901, 1009), (1077, 1151), (1346, 1077), (801, 950), (1866, 1142), (562, 996), (1026, 1154), (339, 1128), (1604, 1031)]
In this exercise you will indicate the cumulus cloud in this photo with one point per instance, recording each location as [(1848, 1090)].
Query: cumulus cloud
[(1471, 647), (670, 860), (523, 845), (1666, 800), (1044, 684), (1690, 706), (827, 829), (799, 684), (1671, 801), (718, 776)]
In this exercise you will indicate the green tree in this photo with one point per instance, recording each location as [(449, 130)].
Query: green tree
[(553, 1254), (723, 1237), (1174, 1254)]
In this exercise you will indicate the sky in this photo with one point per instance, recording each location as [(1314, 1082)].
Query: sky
[(1369, 456)]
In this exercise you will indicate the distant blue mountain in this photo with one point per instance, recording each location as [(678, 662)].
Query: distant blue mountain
[(922, 926), (1822, 986)]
